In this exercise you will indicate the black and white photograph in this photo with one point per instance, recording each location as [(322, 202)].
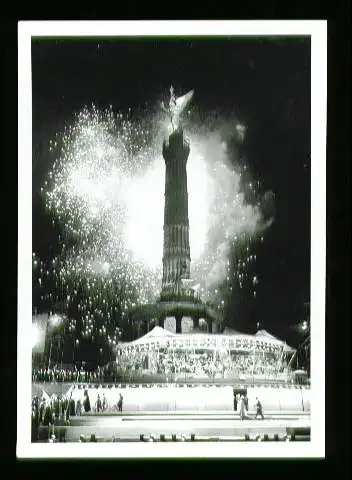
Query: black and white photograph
[(171, 248)]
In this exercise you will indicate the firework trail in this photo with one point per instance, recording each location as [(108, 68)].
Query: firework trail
[(106, 192)]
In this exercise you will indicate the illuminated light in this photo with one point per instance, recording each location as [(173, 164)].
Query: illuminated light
[(36, 335), (304, 325), (55, 320)]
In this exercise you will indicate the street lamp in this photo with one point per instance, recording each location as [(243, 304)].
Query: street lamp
[(303, 330)]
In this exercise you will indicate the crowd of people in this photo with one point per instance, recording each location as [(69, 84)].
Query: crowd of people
[(209, 364), (171, 365), (55, 411), (266, 365), (57, 374), (50, 413)]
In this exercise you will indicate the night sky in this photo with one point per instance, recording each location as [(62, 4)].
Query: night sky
[(266, 82)]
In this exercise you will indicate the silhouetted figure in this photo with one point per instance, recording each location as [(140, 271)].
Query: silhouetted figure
[(48, 416), (86, 402), (57, 407), (246, 401), (120, 403), (41, 411), (64, 405), (72, 408), (98, 404), (235, 402), (34, 430), (259, 408), (79, 408), (105, 403)]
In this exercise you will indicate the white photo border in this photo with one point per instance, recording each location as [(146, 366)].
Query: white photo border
[(317, 30)]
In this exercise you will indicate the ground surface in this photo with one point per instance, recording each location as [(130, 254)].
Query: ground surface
[(230, 426)]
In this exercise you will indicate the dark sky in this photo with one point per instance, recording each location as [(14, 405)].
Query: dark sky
[(266, 82)]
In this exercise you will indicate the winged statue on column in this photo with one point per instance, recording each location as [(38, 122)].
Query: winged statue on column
[(176, 106)]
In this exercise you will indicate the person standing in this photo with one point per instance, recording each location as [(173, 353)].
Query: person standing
[(120, 403), (238, 400), (259, 409), (63, 407), (86, 402), (41, 410), (72, 407), (57, 407), (242, 408), (105, 403), (48, 419), (234, 401), (98, 404), (246, 402), (78, 408)]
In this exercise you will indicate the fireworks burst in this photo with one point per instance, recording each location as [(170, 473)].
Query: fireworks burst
[(106, 191)]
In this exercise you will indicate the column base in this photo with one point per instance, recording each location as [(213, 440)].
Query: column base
[(178, 324)]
